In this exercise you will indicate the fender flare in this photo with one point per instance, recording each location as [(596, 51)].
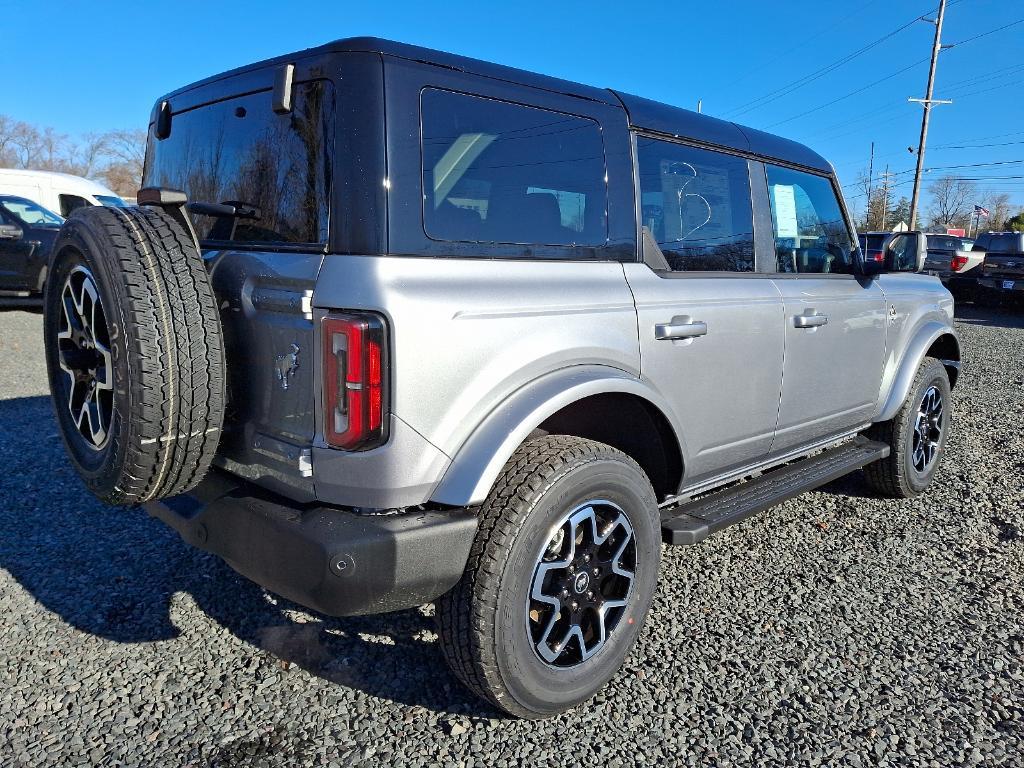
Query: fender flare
[(911, 359), (477, 464)]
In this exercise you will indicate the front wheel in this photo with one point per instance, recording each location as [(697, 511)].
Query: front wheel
[(559, 579), (916, 436)]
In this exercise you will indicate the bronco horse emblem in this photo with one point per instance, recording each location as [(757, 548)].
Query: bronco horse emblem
[(286, 365)]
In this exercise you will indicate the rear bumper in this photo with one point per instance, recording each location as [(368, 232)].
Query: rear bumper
[(332, 560), (996, 284)]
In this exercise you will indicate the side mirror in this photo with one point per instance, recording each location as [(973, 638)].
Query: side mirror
[(10, 232), (870, 267)]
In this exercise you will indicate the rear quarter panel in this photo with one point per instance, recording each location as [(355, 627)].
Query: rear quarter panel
[(467, 333)]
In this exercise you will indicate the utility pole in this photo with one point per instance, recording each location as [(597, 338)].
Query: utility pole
[(885, 194), (871, 173), (927, 102)]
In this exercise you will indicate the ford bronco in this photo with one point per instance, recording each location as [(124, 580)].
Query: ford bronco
[(392, 326)]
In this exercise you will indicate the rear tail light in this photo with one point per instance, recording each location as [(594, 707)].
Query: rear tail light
[(958, 262), (355, 369)]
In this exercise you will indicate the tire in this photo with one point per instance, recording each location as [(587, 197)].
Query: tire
[(486, 631), (134, 353), (901, 475)]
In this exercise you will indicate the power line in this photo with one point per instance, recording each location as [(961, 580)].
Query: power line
[(806, 79), (848, 95), (986, 34)]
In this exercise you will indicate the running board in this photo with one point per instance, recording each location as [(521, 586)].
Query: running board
[(694, 521)]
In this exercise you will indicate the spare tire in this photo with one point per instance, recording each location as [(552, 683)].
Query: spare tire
[(134, 353)]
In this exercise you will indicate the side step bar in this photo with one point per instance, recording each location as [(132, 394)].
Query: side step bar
[(694, 521)]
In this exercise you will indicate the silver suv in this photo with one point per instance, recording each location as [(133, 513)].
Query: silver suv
[(392, 326)]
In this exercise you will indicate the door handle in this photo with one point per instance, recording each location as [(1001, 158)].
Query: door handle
[(809, 319), (674, 330)]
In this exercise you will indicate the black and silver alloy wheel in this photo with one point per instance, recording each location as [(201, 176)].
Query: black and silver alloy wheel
[(83, 353), (916, 435), (582, 583), (559, 579), (928, 429)]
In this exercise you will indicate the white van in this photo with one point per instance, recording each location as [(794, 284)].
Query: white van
[(60, 192)]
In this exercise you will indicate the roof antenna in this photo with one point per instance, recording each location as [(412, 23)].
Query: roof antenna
[(700, 104)]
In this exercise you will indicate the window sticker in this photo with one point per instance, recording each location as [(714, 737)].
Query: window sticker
[(784, 203)]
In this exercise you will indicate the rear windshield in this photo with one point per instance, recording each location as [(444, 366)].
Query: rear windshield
[(944, 242), (1008, 243), (872, 242), (239, 151)]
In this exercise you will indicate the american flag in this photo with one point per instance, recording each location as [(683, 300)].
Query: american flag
[(981, 211)]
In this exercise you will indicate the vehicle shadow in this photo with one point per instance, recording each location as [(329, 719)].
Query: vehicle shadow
[(113, 571), (1005, 316)]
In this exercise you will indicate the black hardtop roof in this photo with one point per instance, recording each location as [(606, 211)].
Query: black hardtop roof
[(643, 114)]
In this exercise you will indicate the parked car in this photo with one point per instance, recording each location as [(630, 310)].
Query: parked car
[(954, 263), (27, 234), (489, 340), (1002, 273), (61, 192)]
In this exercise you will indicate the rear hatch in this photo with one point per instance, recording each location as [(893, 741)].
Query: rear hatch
[(272, 171)]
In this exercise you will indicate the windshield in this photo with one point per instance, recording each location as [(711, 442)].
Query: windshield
[(111, 201), (30, 213)]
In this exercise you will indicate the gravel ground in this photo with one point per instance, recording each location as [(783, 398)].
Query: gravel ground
[(837, 629)]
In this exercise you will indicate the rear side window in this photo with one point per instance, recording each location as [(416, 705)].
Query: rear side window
[(696, 204), (505, 173), (69, 203), (810, 230), (238, 151)]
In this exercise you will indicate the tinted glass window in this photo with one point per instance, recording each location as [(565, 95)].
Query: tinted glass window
[(110, 201), (504, 173), (68, 203), (696, 204), (240, 151), (27, 212), (1007, 243), (810, 231), (944, 242)]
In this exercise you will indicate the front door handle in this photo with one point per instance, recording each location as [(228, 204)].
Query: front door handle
[(809, 319), (680, 330)]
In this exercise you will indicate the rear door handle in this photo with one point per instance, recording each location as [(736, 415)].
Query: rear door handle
[(676, 330), (809, 319)]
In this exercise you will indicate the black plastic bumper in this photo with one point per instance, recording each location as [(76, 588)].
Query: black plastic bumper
[(331, 560)]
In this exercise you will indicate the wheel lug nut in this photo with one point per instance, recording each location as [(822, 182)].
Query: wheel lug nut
[(575, 606), (597, 571), (586, 558), (565, 593), (590, 595)]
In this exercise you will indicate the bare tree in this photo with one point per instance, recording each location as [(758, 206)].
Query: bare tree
[(115, 157), (952, 201), (998, 206)]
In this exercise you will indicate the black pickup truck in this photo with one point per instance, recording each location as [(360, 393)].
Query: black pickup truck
[(1002, 272)]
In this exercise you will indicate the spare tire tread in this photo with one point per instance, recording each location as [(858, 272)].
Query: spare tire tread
[(167, 312)]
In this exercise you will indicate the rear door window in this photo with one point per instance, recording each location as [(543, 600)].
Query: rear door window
[(811, 234), (498, 172), (239, 151), (695, 203)]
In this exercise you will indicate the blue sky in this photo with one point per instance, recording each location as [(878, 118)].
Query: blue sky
[(92, 66)]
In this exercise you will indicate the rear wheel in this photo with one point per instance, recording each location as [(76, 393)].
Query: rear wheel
[(559, 580), (916, 436)]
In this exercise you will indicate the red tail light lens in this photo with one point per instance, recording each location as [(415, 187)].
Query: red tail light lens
[(355, 397), (957, 263)]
